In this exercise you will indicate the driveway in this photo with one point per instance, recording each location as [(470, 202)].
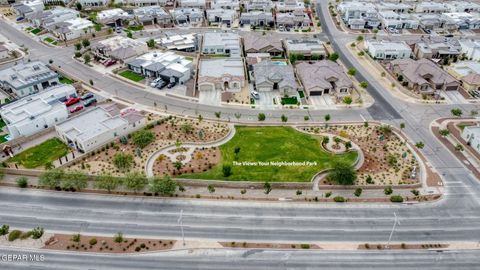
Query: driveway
[(266, 100), (453, 97), (210, 98), (322, 102)]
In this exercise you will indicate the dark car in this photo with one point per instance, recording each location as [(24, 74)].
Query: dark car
[(72, 100), (171, 84), (90, 102), (161, 84), (87, 96)]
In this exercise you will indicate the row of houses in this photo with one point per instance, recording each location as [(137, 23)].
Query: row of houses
[(452, 15)]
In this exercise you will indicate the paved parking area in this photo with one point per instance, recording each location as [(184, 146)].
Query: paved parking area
[(210, 98), (266, 100), (322, 102)]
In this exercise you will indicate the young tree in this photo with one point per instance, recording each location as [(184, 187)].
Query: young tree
[(267, 187), (347, 100), (135, 181), (151, 43), (364, 84), (342, 173), (187, 128), (327, 118), (211, 188), (178, 165), (51, 178), (118, 238), (226, 170), (261, 117), (78, 46), (457, 112), (352, 71), (123, 161), (143, 137), (444, 132), (402, 125), (4, 229), (98, 27), (333, 57), (348, 145), (420, 145), (78, 5), (360, 38), (284, 118), (22, 182), (85, 43), (165, 186), (325, 140), (107, 182), (218, 114)]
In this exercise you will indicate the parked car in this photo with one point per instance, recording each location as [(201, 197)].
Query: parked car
[(118, 30), (255, 95), (109, 62), (90, 102), (171, 84), (87, 96), (76, 109), (155, 82), (161, 84), (72, 100)]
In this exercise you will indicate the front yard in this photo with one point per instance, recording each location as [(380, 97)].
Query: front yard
[(41, 154), (259, 149), (131, 75)]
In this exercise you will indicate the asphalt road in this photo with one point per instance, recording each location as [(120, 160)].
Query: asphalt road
[(253, 259)]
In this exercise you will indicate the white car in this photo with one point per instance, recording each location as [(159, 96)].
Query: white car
[(155, 82), (255, 95)]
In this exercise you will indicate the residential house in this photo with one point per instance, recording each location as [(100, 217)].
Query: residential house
[(462, 6), (145, 3), (275, 76), (112, 17), (223, 75), (28, 78), (221, 16), (270, 44), (255, 58), (471, 49), (200, 4), (187, 16), (28, 7), (423, 76), (395, 7), (259, 5), (388, 50), (4, 52), (437, 48), (103, 127), (56, 2), (391, 19), (46, 18), (150, 15), (430, 21), (32, 114), (289, 5), (187, 42), (119, 48), (225, 4), (297, 18), (468, 73), (324, 77), (169, 66), (221, 43), (462, 20), (72, 29), (93, 3), (431, 7), (308, 47), (359, 15), (471, 134), (257, 18)]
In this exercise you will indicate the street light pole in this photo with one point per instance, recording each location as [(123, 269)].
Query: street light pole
[(180, 221), (393, 229)]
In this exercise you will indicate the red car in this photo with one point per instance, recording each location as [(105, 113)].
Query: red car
[(76, 109), (71, 101)]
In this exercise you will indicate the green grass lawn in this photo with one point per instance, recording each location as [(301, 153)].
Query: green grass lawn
[(135, 28), (289, 101), (41, 154), (273, 144), (131, 75), (66, 80), (49, 39), (35, 31), (28, 29), (2, 138), (2, 123)]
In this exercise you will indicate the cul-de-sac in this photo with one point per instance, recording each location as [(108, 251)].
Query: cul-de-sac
[(239, 134)]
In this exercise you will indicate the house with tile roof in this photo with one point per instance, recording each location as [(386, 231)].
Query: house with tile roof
[(275, 76), (263, 44)]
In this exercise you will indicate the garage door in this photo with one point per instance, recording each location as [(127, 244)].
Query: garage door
[(316, 93)]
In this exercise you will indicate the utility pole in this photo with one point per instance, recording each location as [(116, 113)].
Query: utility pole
[(180, 221), (393, 229)]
